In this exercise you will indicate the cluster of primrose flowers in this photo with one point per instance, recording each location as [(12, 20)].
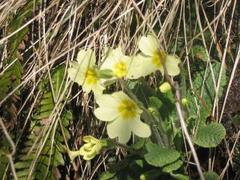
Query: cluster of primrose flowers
[(122, 113)]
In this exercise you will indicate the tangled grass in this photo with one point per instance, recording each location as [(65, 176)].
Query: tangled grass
[(39, 37)]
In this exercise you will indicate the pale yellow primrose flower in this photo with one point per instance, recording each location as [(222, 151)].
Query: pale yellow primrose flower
[(115, 60), (84, 72), (122, 115), (90, 149), (157, 58)]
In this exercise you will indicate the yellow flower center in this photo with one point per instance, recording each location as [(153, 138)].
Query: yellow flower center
[(159, 58), (120, 69), (91, 76), (127, 109)]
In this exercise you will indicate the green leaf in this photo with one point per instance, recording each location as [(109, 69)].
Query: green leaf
[(4, 164), (210, 136), (107, 176), (155, 102), (200, 52), (22, 165), (211, 175), (173, 166), (58, 80), (51, 156), (159, 157), (139, 144), (151, 174), (179, 176), (139, 162), (204, 92)]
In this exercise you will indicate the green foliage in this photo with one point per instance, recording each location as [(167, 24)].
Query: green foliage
[(39, 158), (179, 176), (133, 167), (160, 157), (108, 176), (204, 92), (4, 162), (161, 106), (210, 136), (151, 174), (173, 166), (155, 102), (200, 52), (41, 144), (151, 163), (211, 175), (11, 78)]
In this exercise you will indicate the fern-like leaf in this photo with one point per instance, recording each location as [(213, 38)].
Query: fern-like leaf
[(44, 150)]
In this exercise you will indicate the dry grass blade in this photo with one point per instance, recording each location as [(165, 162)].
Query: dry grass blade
[(41, 38)]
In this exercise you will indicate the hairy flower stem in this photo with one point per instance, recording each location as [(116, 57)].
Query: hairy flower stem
[(175, 89)]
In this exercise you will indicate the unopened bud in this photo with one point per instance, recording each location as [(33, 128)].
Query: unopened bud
[(142, 177), (165, 87), (184, 101), (90, 149)]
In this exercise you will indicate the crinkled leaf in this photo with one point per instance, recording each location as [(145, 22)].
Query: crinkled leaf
[(159, 157), (211, 175), (173, 166), (210, 136), (179, 176), (108, 175)]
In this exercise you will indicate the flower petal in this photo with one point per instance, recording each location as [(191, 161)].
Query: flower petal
[(86, 87), (116, 61), (90, 139), (110, 57), (119, 96), (141, 66), (86, 58), (108, 63), (88, 157), (140, 128), (120, 129), (106, 114), (172, 65), (97, 89), (107, 101), (148, 45), (76, 74), (116, 53)]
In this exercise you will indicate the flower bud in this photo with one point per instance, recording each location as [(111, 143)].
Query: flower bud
[(90, 149), (142, 177), (184, 101), (73, 154), (152, 109), (165, 87)]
